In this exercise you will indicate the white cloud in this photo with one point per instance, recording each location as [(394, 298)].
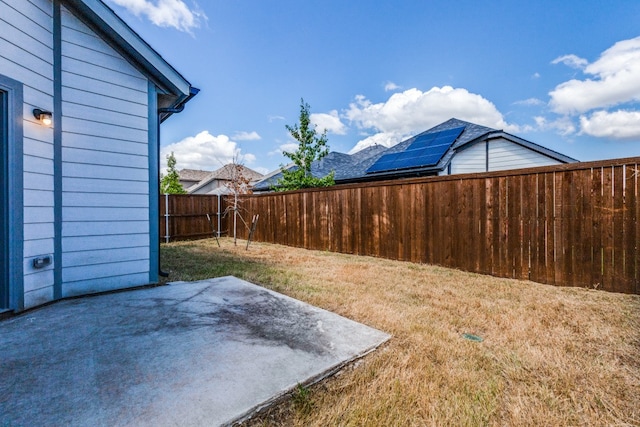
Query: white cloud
[(563, 125), (261, 170), (329, 122), (165, 13), (289, 147), (616, 81), (535, 76), (572, 61), (530, 102), (384, 139), (204, 151), (246, 158), (412, 111), (246, 136), (619, 124), (274, 118), (389, 86)]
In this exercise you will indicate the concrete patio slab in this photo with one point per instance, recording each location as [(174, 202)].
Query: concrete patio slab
[(198, 353)]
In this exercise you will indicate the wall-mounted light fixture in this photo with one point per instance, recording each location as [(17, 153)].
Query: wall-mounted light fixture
[(44, 116)]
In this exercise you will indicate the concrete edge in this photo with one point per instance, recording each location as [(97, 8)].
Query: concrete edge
[(12, 314), (283, 396)]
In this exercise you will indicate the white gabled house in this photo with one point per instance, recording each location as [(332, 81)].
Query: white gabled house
[(79, 183)]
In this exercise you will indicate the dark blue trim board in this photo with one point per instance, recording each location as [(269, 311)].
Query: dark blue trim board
[(154, 185), (13, 202), (57, 150), (4, 203), (486, 155)]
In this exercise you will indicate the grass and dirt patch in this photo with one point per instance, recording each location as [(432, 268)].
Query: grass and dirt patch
[(549, 355)]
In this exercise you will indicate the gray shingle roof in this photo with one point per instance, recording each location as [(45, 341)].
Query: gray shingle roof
[(227, 172), (344, 165), (193, 174)]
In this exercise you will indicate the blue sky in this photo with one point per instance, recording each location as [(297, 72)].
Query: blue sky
[(563, 74)]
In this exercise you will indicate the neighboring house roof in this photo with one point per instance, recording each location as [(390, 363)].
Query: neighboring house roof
[(359, 167), (344, 166), (193, 175), (226, 173), (176, 90)]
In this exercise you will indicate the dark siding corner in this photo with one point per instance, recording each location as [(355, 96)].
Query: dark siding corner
[(13, 201), (154, 186)]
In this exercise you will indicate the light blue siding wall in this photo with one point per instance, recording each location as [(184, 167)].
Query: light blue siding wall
[(507, 155), (26, 55), (105, 165), (503, 155), (470, 160)]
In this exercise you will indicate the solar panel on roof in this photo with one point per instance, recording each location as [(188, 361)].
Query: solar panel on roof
[(425, 150)]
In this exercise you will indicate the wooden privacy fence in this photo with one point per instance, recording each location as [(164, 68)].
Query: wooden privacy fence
[(569, 225), (184, 217)]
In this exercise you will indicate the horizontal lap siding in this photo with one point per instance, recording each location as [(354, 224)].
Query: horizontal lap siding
[(26, 55), (508, 155), (105, 176), (472, 159)]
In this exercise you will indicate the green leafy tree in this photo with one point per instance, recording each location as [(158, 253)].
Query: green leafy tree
[(170, 183), (311, 147)]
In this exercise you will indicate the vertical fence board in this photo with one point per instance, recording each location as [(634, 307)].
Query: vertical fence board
[(558, 228), (597, 216), (550, 228), (537, 238), (489, 226), (630, 221), (514, 238), (496, 239), (477, 224), (504, 263), (619, 282), (583, 233), (464, 218), (429, 224), (567, 207), (608, 227), (527, 200), (636, 221)]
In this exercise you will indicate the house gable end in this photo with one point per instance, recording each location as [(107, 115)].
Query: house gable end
[(116, 32), (495, 135)]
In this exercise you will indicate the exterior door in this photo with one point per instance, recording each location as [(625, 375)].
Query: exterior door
[(4, 203)]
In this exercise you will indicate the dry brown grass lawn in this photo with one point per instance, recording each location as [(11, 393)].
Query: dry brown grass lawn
[(550, 356)]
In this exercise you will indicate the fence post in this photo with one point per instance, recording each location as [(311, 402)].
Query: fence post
[(218, 215), (166, 218)]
